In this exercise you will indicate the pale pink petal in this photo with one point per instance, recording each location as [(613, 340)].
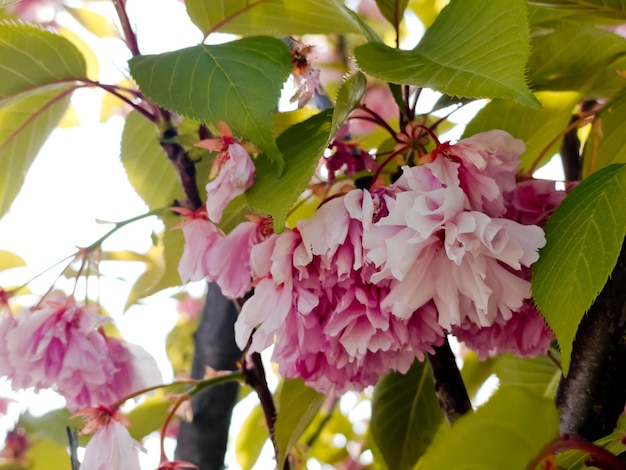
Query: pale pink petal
[(234, 178), (112, 448), (200, 235)]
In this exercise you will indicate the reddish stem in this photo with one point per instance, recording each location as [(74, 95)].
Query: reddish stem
[(129, 34), (600, 457)]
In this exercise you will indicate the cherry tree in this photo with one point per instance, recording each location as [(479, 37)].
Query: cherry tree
[(382, 252)]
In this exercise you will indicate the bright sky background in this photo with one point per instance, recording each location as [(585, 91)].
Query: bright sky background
[(77, 178)]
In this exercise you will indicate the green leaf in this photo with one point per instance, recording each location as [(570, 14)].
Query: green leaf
[(297, 406), (179, 345), (584, 238), (405, 416), (38, 72), (270, 17), (303, 146), (393, 10), (251, 438), (33, 59), (149, 170), (148, 416), (10, 260), (506, 433), (570, 57), (93, 22), (614, 9), (475, 372), (538, 128), (348, 98), (50, 425), (238, 82), (48, 455), (535, 373), (606, 140), (484, 57), (162, 272)]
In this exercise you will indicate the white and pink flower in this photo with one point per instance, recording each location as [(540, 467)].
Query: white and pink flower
[(60, 345)]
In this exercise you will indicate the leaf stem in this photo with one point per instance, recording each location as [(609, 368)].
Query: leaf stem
[(129, 35), (600, 457), (123, 223), (582, 119)]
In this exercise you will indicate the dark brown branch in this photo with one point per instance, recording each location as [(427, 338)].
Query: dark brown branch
[(449, 386), (253, 370), (593, 394), (185, 167), (203, 441)]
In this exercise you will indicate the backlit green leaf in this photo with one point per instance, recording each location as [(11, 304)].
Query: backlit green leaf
[(251, 438), (10, 260), (271, 17), (303, 146), (33, 58), (38, 69), (50, 425), (613, 9), (392, 10), (570, 57), (148, 169), (25, 124), (485, 57), (297, 406), (238, 82), (148, 416), (538, 128), (506, 433), (535, 373), (349, 97), (405, 416), (606, 140), (48, 455), (584, 238), (475, 372)]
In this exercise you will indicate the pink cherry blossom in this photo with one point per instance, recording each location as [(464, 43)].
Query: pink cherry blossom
[(456, 256), (59, 345), (228, 260), (200, 236), (235, 176), (111, 447), (488, 162), (55, 343), (38, 11), (525, 334), (533, 201), (325, 313)]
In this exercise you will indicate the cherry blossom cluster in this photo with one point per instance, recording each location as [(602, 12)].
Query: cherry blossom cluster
[(60, 344), (376, 278)]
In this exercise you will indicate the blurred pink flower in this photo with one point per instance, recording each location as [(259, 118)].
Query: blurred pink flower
[(35, 11), (111, 447), (59, 345)]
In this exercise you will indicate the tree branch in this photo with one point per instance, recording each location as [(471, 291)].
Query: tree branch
[(449, 386), (592, 396), (203, 441)]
